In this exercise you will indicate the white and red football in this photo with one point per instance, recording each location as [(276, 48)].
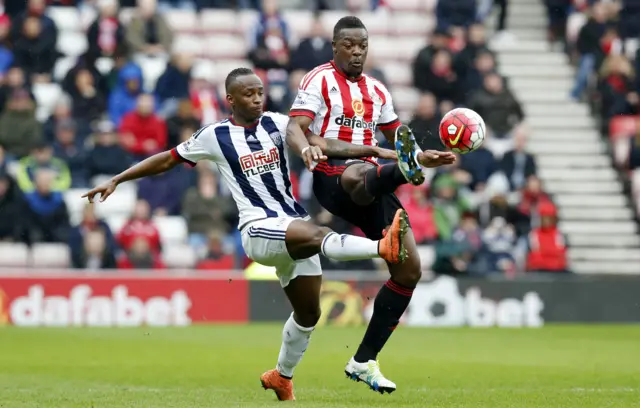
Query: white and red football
[(462, 130)]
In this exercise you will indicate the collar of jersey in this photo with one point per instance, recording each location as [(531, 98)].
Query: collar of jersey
[(342, 74), (252, 126)]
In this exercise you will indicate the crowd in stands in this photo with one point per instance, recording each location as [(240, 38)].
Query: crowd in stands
[(602, 38), (485, 214)]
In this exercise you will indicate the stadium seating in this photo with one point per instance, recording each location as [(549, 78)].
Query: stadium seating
[(182, 20), (219, 21), (179, 256), (50, 256), (71, 44), (13, 254), (173, 230)]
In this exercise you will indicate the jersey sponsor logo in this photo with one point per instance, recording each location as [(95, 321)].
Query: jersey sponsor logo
[(261, 162), (354, 123), (358, 107)]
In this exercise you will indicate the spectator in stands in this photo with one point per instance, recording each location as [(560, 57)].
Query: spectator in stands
[(140, 256), (313, 50), (124, 96), (94, 253), (89, 103), (5, 159), (120, 60), (617, 87), (372, 69), (517, 164), (42, 158), (107, 156), (457, 13), (184, 118), (164, 191), (448, 205), (14, 80), (106, 32), (547, 244), (634, 151), (483, 65), (495, 204), (497, 105), (499, 239), (20, 131), (426, 121), (61, 113), (85, 62), (207, 103), (480, 165), (420, 211), (205, 209), (46, 212), (70, 148), (532, 198), (216, 258), (629, 17), (557, 14), (637, 70), (148, 32), (140, 226), (439, 41), (6, 54), (12, 209), (589, 48), (35, 9), (35, 51), (104, 246), (173, 84), (143, 133), (441, 80), (476, 42), (460, 254)]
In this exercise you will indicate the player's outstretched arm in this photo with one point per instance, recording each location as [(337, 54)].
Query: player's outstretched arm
[(427, 158), (156, 164), (345, 150)]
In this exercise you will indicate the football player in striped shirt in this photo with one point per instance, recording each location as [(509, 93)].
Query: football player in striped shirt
[(338, 102), (250, 150)]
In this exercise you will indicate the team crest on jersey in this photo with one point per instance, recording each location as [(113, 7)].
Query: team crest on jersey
[(276, 138), (258, 163), (358, 107)]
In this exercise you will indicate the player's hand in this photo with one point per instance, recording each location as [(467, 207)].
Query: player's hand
[(312, 155), (385, 153), (104, 190), (435, 158)]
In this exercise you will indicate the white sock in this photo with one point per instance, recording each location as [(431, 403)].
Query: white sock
[(295, 340), (348, 247)]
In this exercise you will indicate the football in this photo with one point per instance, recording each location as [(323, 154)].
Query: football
[(462, 130)]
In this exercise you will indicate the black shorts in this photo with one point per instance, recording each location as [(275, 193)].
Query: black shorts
[(372, 219)]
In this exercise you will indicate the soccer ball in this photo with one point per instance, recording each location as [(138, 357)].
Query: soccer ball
[(462, 130)]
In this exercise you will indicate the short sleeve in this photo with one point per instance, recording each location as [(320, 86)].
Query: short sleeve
[(200, 146), (388, 117), (309, 99)]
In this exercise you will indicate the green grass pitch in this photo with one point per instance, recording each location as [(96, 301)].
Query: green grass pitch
[(219, 366)]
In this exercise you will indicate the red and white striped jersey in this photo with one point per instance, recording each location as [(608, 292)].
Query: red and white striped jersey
[(349, 110)]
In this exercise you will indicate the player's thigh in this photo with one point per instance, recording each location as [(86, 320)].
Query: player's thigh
[(353, 175), (304, 239)]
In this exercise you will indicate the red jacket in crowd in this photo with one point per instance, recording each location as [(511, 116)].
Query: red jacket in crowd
[(139, 228), (547, 246), (149, 134), (125, 263)]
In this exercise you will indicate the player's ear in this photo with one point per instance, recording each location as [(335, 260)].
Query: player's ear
[(230, 99)]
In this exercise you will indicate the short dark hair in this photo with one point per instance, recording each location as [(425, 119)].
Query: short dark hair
[(345, 23), (238, 72)]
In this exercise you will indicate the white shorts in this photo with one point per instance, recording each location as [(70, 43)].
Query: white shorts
[(263, 242)]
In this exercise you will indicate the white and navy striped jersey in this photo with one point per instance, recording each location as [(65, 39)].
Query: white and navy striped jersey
[(253, 163)]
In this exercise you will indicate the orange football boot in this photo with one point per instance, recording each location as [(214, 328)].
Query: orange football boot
[(391, 247), (283, 387)]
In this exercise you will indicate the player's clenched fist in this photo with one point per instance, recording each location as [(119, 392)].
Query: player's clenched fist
[(312, 155)]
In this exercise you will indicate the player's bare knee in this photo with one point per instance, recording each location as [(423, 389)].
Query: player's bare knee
[(318, 234), (308, 317), (408, 273)]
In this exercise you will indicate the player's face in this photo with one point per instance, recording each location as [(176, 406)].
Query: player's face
[(350, 51), (246, 97)]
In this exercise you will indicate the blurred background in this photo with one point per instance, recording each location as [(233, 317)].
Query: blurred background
[(90, 87)]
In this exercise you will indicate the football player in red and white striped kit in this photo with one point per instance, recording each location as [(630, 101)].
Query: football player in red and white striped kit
[(344, 106)]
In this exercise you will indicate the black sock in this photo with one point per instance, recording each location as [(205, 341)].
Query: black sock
[(383, 180), (390, 304)]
